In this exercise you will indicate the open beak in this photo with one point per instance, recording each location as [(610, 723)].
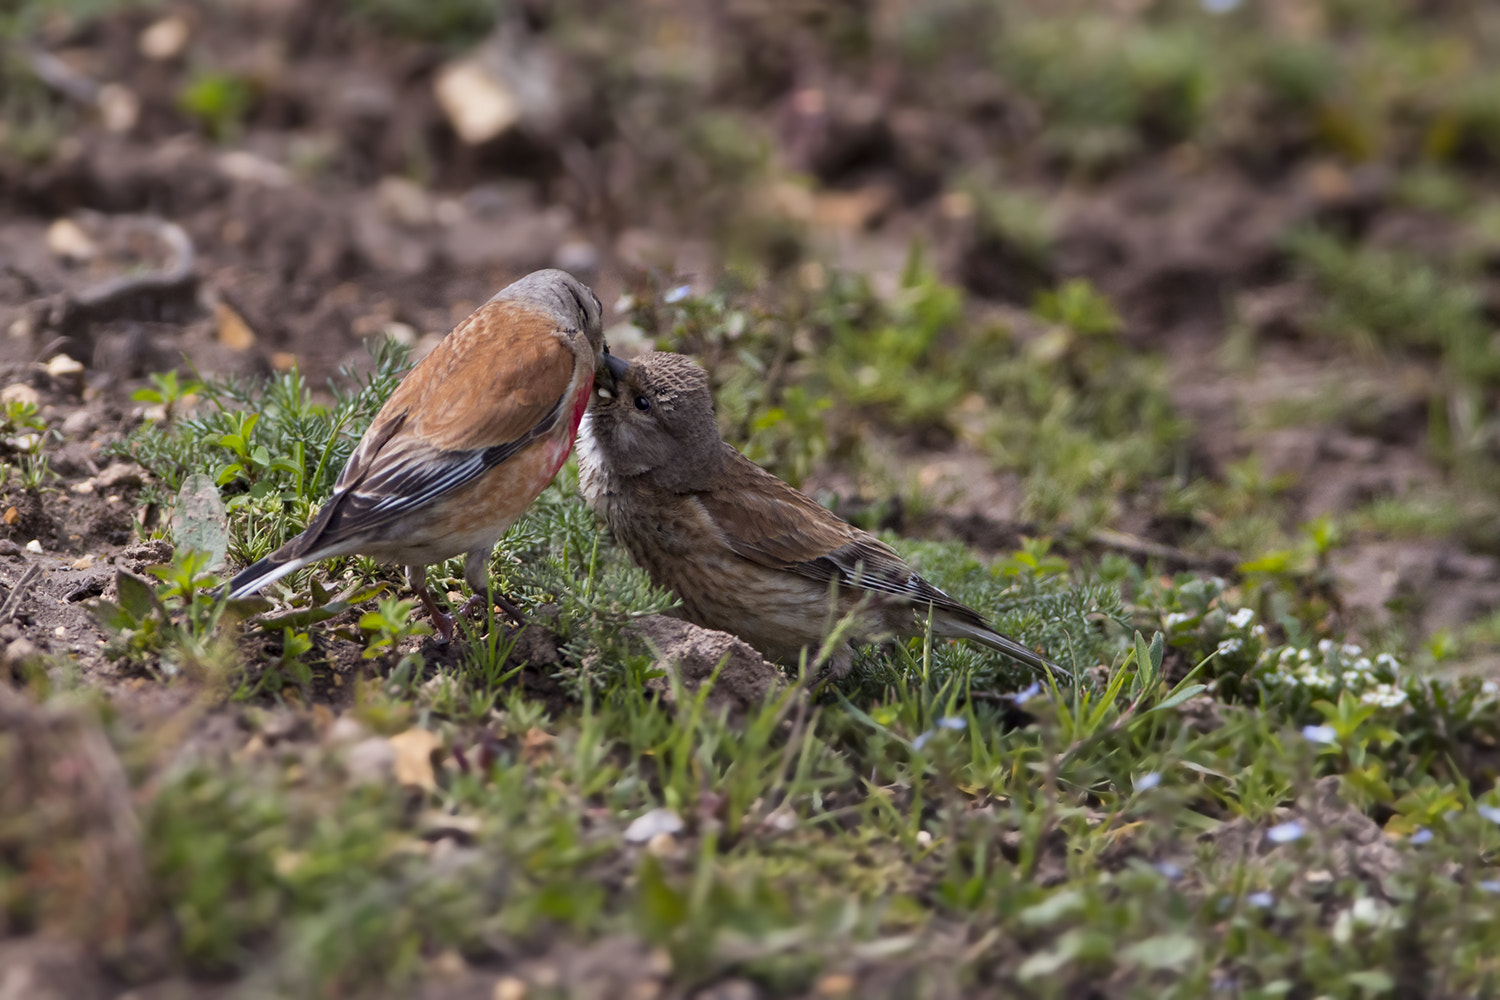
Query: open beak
[(606, 378)]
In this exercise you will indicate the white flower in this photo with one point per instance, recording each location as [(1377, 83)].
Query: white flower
[(1285, 833), (1351, 651), (1305, 655), (1387, 661), (1489, 689), (1325, 646), (1241, 618), (1384, 696), (1287, 653), (1364, 664), (1258, 632), (1320, 734), (1231, 646), (677, 294), (1176, 618)]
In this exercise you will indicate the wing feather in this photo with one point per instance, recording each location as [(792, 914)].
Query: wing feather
[(768, 522), (499, 382)]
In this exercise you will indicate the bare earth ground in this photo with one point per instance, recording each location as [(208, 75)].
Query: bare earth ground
[(305, 235)]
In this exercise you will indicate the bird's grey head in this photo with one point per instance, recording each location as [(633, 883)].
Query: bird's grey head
[(657, 421), (567, 300)]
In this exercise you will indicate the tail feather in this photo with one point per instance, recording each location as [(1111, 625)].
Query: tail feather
[(257, 575), (957, 628)]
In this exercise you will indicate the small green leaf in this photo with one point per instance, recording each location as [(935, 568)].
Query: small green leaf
[(199, 521), (1053, 908), (1165, 951), (1177, 698), (137, 597)]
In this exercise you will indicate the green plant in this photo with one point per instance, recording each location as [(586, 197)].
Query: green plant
[(167, 391), (220, 102), (173, 627)]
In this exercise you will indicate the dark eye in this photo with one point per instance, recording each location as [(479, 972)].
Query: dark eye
[(642, 403)]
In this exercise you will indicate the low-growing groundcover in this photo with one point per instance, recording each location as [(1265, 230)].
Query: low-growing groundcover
[(331, 805)]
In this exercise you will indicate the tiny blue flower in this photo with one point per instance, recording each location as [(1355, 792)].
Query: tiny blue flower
[(1148, 781), (1422, 836), (1285, 833), (1168, 869), (1489, 885), (677, 294), (922, 738), (1491, 813), (1022, 697), (1320, 734), (953, 722), (1262, 900)]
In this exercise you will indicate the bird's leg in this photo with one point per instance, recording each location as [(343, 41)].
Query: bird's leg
[(477, 574), (416, 579)]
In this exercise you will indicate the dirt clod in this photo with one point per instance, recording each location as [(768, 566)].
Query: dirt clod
[(693, 654)]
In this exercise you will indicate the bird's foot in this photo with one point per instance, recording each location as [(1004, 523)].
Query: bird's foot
[(441, 620), (482, 600)]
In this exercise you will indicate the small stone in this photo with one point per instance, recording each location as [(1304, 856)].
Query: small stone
[(837, 984), (20, 392), (19, 652), (649, 825), (86, 562), (79, 423), (478, 106), (8, 547), (86, 487), (120, 475), (67, 240), (346, 729), (119, 108), (234, 332), (509, 988), (412, 757), (448, 964), (34, 547), (663, 845), (240, 165), (66, 373), (406, 202), (164, 39), (371, 760)]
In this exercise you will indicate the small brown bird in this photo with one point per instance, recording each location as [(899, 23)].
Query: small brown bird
[(471, 436), (745, 552)]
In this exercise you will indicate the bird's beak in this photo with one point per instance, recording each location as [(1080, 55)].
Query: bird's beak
[(606, 378)]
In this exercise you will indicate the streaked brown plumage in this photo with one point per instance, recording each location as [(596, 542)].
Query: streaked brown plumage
[(745, 552), (471, 436)]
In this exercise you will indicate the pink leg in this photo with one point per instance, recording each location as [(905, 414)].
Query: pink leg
[(416, 578)]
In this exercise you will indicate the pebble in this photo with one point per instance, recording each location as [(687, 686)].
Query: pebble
[(20, 392), (372, 759), (79, 423)]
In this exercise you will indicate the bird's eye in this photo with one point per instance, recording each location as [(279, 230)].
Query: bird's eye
[(642, 403)]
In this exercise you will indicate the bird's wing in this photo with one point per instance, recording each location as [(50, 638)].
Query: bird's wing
[(500, 381), (770, 523)]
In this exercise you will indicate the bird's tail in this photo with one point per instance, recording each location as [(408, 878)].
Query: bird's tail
[(268, 570), (957, 628)]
